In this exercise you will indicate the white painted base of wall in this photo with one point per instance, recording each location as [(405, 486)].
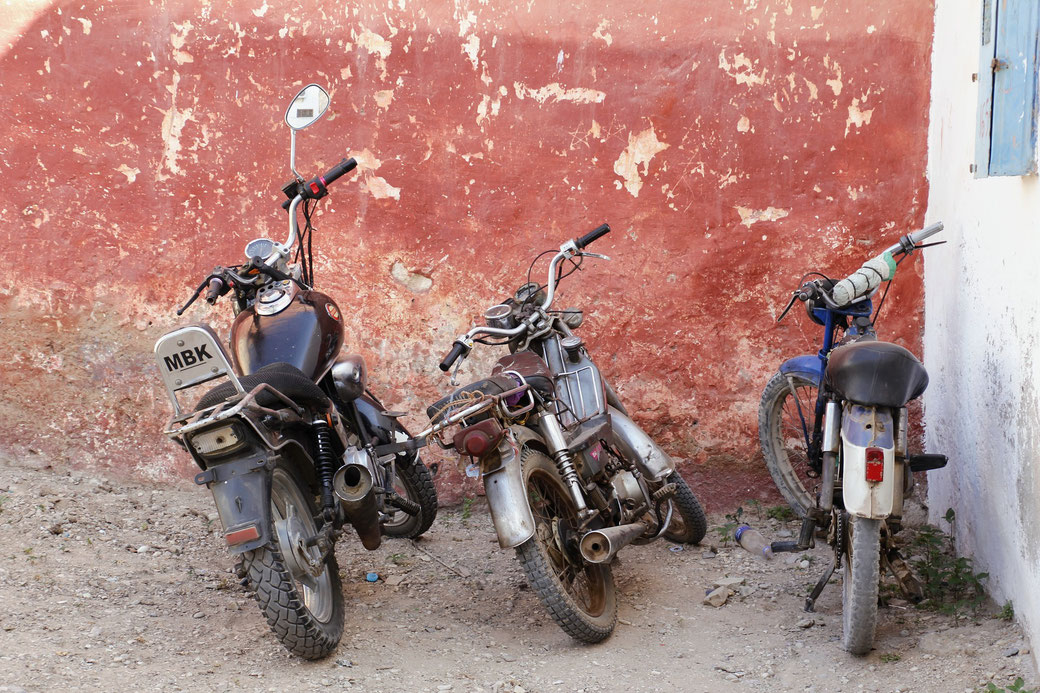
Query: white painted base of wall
[(982, 334)]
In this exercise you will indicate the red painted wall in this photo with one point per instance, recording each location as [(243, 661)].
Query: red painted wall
[(732, 145)]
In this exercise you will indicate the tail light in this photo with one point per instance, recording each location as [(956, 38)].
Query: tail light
[(875, 464)]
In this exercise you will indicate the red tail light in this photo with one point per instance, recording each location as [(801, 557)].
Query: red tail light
[(875, 464)]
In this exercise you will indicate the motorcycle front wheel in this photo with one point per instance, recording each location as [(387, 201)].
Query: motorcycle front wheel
[(781, 434), (688, 524), (580, 596), (303, 604), (415, 483), (859, 587)]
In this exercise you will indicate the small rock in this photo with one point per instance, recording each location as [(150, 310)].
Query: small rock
[(803, 564), (395, 580), (144, 549), (708, 554), (344, 662), (1010, 651), (718, 596), (785, 534), (198, 614), (506, 657), (805, 623)]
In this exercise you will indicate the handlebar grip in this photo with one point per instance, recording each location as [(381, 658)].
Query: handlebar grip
[(924, 233), (457, 350), (592, 235), (337, 171), (216, 288)]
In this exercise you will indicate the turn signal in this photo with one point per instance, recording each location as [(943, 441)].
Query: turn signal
[(875, 464)]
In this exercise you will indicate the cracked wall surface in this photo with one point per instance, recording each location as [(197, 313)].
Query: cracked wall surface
[(732, 145)]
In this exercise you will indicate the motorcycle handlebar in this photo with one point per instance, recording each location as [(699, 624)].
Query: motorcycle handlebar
[(925, 233), (216, 288), (457, 350), (592, 235), (337, 171)]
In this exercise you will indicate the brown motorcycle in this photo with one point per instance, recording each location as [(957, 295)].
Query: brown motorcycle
[(570, 478)]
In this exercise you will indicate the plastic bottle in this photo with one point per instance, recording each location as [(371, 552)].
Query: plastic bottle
[(753, 542)]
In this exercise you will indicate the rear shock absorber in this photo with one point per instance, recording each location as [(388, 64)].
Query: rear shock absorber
[(325, 461)]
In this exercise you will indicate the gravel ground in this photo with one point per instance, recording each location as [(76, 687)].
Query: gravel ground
[(115, 585)]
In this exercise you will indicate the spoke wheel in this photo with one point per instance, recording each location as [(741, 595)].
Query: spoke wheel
[(300, 594), (580, 596), (782, 437)]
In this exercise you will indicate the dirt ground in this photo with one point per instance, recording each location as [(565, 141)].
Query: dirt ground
[(119, 586)]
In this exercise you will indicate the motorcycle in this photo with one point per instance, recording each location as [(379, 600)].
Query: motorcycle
[(570, 479), (292, 445), (833, 430)]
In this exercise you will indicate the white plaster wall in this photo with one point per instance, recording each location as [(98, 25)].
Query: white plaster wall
[(982, 334)]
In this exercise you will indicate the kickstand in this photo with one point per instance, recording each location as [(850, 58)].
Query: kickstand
[(810, 601)]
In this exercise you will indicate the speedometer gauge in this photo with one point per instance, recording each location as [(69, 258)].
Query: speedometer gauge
[(261, 247)]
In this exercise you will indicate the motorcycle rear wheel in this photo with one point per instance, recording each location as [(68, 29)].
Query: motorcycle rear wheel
[(305, 612), (580, 596), (859, 587), (415, 483), (782, 437)]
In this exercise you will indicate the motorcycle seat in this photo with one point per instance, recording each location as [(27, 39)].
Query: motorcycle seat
[(532, 368), (875, 374), (287, 379), (495, 385)]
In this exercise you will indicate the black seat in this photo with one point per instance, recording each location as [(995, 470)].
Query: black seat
[(287, 379), (875, 374), (494, 385), (532, 368)]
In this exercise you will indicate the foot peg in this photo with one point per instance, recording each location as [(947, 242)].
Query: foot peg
[(924, 463)]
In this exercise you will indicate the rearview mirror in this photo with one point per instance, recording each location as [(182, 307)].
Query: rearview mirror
[(307, 107)]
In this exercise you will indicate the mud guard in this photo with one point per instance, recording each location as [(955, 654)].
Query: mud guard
[(242, 491), (808, 366), (862, 428), (653, 462), (505, 492)]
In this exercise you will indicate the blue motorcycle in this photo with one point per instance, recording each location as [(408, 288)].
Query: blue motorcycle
[(833, 430)]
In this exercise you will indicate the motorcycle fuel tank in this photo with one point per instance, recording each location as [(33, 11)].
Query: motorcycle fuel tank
[(307, 333)]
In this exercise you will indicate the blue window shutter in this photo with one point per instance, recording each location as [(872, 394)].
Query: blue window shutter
[(1013, 130), (985, 77)]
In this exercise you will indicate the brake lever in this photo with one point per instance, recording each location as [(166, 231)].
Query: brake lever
[(454, 380), (794, 297), (194, 296), (596, 255), (265, 268)]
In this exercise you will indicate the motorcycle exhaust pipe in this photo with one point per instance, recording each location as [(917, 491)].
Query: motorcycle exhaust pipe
[(600, 545), (353, 485)]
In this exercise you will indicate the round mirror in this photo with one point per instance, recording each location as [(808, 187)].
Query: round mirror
[(308, 106)]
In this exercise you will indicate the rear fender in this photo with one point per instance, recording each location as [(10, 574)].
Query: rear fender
[(862, 428), (241, 489), (504, 488)]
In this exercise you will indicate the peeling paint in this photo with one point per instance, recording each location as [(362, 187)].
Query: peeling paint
[(471, 47), (130, 173), (603, 35), (374, 43), (857, 116), (383, 98), (750, 216), (557, 93), (640, 150), (413, 281), (741, 69)]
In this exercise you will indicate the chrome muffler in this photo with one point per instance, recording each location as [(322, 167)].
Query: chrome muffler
[(353, 485), (600, 545)]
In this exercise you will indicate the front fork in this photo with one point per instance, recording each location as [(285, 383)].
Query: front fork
[(551, 429)]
